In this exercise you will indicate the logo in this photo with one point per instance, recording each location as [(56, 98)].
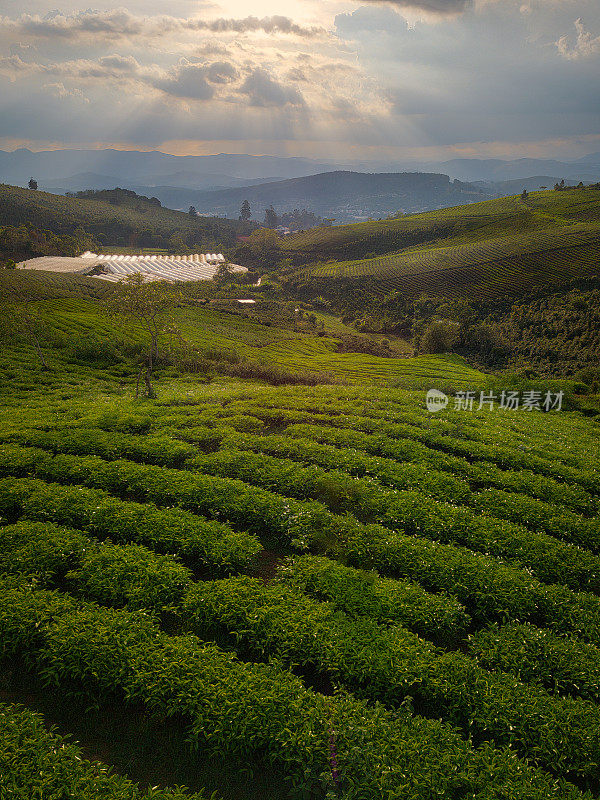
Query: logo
[(436, 400)]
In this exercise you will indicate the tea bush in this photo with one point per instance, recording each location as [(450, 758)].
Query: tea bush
[(37, 762), (238, 709), (435, 616), (549, 559), (201, 543), (490, 589), (390, 664), (536, 655)]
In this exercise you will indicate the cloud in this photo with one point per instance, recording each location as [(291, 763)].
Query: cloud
[(12, 66), (381, 76), (430, 6), (274, 24), (586, 45), (119, 63), (221, 72), (263, 90), (59, 90), (188, 81), (120, 23)]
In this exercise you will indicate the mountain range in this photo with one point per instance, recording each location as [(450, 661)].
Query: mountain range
[(217, 184), (342, 195)]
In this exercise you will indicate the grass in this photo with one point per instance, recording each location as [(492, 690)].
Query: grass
[(71, 320)]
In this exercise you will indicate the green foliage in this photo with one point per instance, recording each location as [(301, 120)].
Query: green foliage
[(244, 709), (435, 616), (130, 575), (393, 664), (36, 762), (203, 544), (439, 337), (489, 589), (118, 575), (549, 559), (115, 219), (26, 241), (383, 524), (48, 552), (535, 655), (157, 449)]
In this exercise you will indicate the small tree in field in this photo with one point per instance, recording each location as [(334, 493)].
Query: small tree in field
[(32, 183), (150, 306), (439, 337), (18, 321)]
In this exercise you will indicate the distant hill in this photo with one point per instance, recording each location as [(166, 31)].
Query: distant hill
[(344, 195), (498, 170), (120, 218), (51, 167), (181, 182), (162, 169)]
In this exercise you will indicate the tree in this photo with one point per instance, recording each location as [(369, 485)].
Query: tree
[(265, 247), (32, 183), (223, 273), (524, 194), (19, 321), (192, 211), (177, 244), (439, 337), (271, 218), (245, 212), (149, 305)]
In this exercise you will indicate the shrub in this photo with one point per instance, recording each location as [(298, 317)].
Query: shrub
[(37, 762), (201, 543), (392, 664), (536, 655), (244, 709), (130, 575), (357, 592), (439, 337)]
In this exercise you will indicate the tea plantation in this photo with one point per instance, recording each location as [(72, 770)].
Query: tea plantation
[(292, 591), (487, 250)]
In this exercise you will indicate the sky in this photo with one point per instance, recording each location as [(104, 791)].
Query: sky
[(326, 79)]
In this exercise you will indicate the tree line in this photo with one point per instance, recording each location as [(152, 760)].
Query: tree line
[(296, 220)]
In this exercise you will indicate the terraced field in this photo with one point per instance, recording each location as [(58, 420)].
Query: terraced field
[(505, 247), (483, 269), (302, 592), (329, 586)]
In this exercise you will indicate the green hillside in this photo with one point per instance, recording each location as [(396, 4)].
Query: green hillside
[(278, 575), (67, 308), (121, 219), (184, 581), (498, 247)]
